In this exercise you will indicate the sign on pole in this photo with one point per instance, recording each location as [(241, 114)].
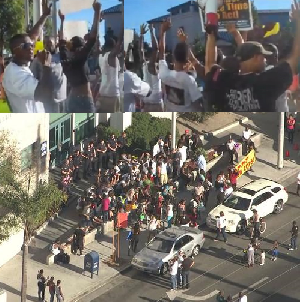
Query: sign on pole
[(75, 28), (73, 6), (246, 164), (233, 11)]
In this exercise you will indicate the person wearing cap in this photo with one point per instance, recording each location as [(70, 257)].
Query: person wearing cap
[(252, 89), (74, 62)]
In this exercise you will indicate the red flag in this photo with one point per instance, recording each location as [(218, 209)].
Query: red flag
[(122, 220)]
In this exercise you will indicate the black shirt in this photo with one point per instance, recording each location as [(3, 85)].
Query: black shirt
[(295, 231), (227, 91), (77, 160), (75, 68), (101, 147), (113, 144), (122, 141)]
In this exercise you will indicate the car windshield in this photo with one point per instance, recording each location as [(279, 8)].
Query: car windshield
[(161, 245), (237, 203)]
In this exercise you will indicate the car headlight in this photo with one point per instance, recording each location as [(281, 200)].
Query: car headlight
[(231, 222)]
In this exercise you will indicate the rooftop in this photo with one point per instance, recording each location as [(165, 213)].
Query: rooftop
[(159, 19), (113, 10), (188, 3)]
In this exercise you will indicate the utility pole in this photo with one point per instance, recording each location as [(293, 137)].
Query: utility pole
[(280, 141), (54, 19), (26, 5), (174, 117)]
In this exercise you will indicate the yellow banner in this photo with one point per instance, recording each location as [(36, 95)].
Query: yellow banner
[(4, 108), (246, 163)]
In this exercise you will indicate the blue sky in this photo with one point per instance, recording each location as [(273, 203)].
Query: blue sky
[(88, 14), (140, 11)]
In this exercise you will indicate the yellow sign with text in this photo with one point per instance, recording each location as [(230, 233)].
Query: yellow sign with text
[(246, 164)]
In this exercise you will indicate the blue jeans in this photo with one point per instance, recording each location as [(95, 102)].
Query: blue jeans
[(52, 297), (170, 221), (105, 216), (275, 253), (79, 104), (174, 281), (294, 243), (185, 279), (223, 234)]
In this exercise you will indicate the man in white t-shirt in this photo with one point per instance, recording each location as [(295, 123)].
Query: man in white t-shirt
[(173, 272), (242, 297), (181, 89), (182, 150), (21, 87), (134, 88)]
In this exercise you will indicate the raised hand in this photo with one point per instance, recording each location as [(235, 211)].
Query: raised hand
[(182, 36), (46, 9), (166, 25), (231, 27), (97, 6), (151, 28), (44, 57), (143, 29), (295, 13), (61, 15)]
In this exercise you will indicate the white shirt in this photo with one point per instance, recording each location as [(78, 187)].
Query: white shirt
[(281, 103), (110, 86), (182, 150), (228, 191), (243, 299), (298, 178), (153, 225), (247, 134), (231, 145), (164, 168), (133, 86), (155, 84), (170, 210), (20, 84), (221, 222), (156, 149), (174, 269), (201, 163), (181, 89)]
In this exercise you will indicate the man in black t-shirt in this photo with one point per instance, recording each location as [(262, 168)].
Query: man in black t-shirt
[(187, 264), (87, 162), (101, 154), (253, 89), (112, 147), (76, 163), (122, 144)]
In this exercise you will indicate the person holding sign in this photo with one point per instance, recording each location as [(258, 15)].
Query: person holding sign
[(249, 91), (23, 90)]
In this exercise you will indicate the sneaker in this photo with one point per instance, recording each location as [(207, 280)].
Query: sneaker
[(261, 264), (216, 239), (291, 249), (275, 259)]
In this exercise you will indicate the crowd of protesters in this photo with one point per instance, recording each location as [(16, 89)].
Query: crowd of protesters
[(58, 79), (182, 82)]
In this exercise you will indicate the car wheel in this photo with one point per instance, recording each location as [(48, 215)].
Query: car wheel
[(163, 269), (241, 227), (278, 207), (196, 251)]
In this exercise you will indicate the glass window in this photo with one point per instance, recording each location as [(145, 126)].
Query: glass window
[(26, 157), (186, 239), (237, 203), (257, 200), (266, 196), (179, 244), (160, 245), (276, 189)]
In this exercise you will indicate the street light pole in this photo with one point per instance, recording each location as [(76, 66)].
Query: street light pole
[(174, 117), (280, 141)]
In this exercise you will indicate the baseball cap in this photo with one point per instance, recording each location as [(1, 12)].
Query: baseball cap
[(187, 131), (248, 50)]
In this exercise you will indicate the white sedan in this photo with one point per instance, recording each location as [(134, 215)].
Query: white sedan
[(266, 196)]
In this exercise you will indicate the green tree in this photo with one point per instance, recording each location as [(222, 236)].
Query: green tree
[(198, 117), (27, 204), (11, 21)]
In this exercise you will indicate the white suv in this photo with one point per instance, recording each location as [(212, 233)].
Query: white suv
[(266, 196)]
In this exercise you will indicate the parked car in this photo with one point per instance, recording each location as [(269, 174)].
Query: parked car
[(266, 196), (158, 252)]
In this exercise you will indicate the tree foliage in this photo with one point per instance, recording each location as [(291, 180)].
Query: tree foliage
[(12, 21), (24, 207), (198, 117)]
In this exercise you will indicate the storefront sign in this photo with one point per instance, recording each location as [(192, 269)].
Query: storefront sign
[(246, 163), (233, 11)]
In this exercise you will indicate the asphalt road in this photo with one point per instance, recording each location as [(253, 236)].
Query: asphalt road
[(219, 267)]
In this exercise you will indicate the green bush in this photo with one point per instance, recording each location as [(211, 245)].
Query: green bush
[(105, 132), (198, 117), (145, 130)]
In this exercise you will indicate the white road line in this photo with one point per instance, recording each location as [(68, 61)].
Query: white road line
[(180, 294), (251, 287)]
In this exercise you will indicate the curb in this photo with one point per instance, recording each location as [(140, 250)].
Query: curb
[(292, 173), (99, 285), (225, 128)]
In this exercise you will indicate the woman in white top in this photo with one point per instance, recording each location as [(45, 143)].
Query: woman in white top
[(152, 227), (170, 214), (154, 101)]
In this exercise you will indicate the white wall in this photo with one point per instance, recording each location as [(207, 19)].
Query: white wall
[(10, 248), (120, 121), (115, 22), (24, 129), (3, 295)]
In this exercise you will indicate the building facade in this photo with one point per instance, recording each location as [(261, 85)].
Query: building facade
[(113, 20), (31, 134)]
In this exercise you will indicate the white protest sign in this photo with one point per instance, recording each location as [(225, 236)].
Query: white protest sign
[(72, 6), (75, 28)]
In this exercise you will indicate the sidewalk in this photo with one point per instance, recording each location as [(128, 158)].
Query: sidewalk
[(74, 282)]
